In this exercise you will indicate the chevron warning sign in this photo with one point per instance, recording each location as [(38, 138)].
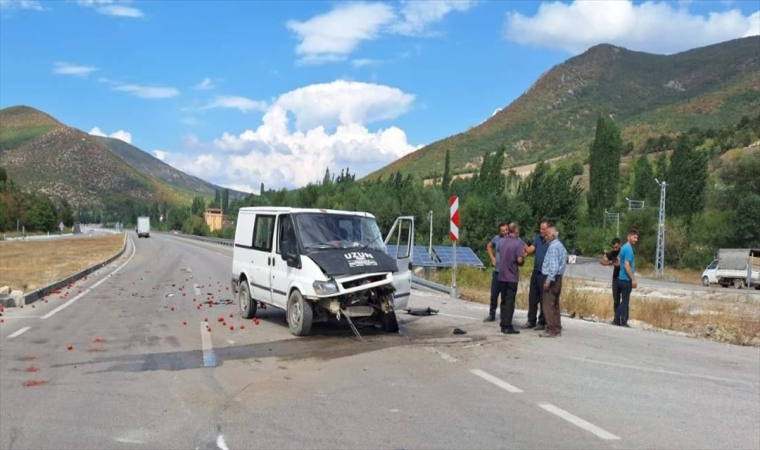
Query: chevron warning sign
[(454, 215)]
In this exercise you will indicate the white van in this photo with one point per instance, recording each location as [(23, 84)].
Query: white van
[(318, 263)]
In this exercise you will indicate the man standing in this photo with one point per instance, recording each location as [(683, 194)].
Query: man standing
[(553, 269), (611, 259), (535, 293), (627, 279), (491, 248), (512, 254)]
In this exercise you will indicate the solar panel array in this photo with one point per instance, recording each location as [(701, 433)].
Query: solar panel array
[(442, 256)]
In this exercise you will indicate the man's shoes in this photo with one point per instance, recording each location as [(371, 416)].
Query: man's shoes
[(490, 318), (528, 326), (540, 327), (509, 330), (549, 335)]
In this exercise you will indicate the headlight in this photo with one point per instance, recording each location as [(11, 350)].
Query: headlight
[(325, 287)]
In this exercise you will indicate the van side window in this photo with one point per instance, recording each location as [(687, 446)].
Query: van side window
[(285, 231), (263, 231)]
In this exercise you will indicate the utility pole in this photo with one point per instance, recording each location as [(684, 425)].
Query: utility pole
[(430, 242), (659, 259)]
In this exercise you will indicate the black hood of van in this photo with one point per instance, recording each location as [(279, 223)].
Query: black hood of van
[(347, 261)]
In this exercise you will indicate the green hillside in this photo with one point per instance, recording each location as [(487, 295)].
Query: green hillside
[(646, 95), (44, 156)]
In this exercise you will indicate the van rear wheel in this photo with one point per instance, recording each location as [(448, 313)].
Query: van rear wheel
[(705, 281), (247, 305), (300, 314)]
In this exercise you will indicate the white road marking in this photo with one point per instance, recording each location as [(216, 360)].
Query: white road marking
[(129, 441), (209, 360), (19, 332), (220, 442), (196, 289), (662, 371), (87, 291), (456, 315), (577, 421), (498, 382)]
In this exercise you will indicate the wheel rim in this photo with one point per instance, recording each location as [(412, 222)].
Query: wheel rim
[(295, 313), (243, 299)]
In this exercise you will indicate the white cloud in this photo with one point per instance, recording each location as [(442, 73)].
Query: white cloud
[(117, 8), (304, 132), (654, 27), (205, 84), (159, 154), (333, 35), (121, 134), (64, 68), (241, 187), (9, 5), (151, 92), (419, 15), (189, 121), (232, 102), (363, 62)]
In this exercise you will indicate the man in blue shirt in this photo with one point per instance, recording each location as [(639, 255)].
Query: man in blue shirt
[(553, 268), (493, 252), (535, 293), (512, 255), (626, 278)]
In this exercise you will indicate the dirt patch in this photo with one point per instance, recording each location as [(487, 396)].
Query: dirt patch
[(33, 383), (31, 265)]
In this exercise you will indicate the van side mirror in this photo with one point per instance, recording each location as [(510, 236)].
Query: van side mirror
[(289, 252)]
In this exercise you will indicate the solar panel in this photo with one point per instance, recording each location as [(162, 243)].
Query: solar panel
[(419, 255), (465, 256)]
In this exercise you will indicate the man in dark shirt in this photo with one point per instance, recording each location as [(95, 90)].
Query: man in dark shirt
[(493, 252), (512, 256), (536, 292), (611, 259)]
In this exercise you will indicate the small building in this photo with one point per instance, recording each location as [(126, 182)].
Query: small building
[(213, 218)]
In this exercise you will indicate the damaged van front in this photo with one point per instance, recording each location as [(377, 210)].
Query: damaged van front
[(328, 263)]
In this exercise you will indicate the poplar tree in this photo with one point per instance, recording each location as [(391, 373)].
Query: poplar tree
[(604, 169)]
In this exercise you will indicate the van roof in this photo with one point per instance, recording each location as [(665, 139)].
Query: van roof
[(287, 209)]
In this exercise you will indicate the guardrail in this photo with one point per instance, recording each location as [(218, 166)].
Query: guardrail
[(420, 282)]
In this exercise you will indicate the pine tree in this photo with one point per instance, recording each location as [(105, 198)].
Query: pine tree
[(604, 168), (687, 180), (225, 200), (446, 181), (644, 186)]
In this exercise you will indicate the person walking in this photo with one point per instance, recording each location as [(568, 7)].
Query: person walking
[(611, 259), (553, 269), (512, 254), (535, 293), (627, 278), (493, 252)]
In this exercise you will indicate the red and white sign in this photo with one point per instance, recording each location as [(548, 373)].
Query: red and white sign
[(454, 215)]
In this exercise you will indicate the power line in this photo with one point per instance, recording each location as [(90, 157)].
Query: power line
[(659, 259)]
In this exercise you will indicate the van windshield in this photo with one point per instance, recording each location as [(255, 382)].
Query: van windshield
[(323, 231)]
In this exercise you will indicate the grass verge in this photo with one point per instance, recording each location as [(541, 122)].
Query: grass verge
[(30, 265), (736, 322)]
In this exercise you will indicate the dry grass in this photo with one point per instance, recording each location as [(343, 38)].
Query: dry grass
[(685, 276), (31, 265), (736, 322)]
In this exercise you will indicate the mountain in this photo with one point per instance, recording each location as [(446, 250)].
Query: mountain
[(43, 155), (645, 94), (163, 172)]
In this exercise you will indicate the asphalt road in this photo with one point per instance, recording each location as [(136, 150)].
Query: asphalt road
[(590, 269), (141, 375)]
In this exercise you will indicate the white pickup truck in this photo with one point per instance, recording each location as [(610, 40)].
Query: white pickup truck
[(738, 267)]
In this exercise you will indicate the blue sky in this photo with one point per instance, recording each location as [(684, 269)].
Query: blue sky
[(241, 93)]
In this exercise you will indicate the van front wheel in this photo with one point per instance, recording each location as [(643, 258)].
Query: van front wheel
[(247, 305), (300, 314)]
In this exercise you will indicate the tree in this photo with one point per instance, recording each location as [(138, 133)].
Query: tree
[(198, 207), (604, 170), (687, 181), (225, 200), (446, 181), (644, 186)]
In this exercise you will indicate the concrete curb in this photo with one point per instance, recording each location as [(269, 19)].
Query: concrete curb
[(33, 296)]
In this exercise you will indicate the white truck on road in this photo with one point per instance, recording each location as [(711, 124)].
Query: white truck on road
[(318, 263), (143, 227), (738, 267)]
